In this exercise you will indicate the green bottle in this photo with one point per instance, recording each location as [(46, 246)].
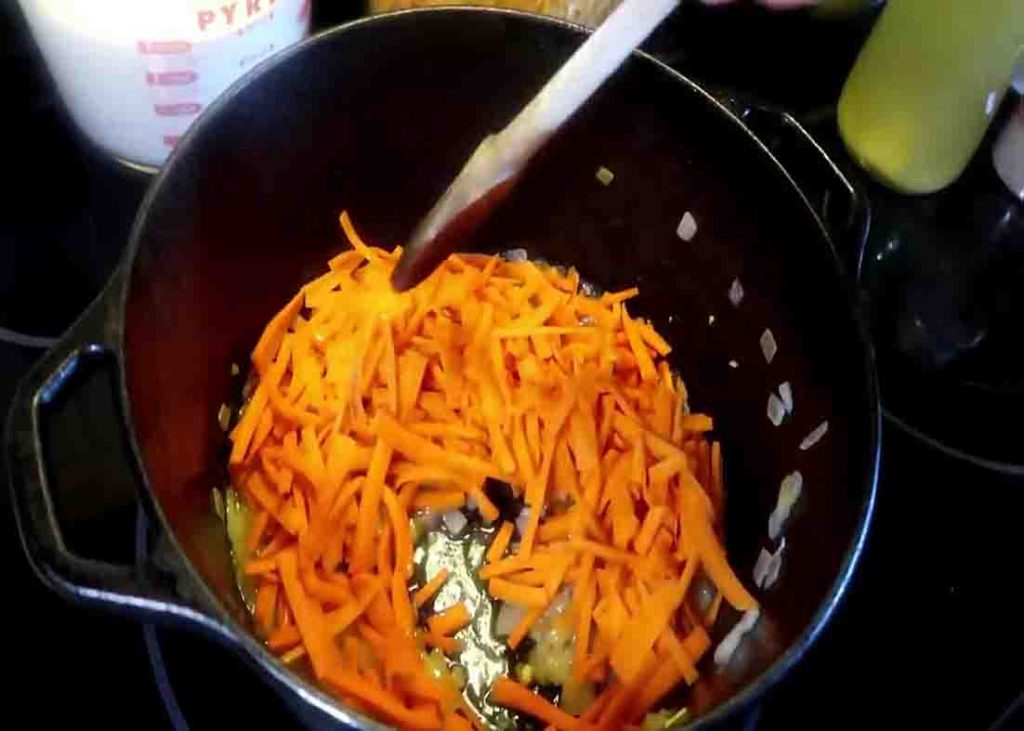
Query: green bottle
[(926, 85)]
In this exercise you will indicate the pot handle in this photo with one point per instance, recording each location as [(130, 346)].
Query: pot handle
[(836, 197), (138, 590)]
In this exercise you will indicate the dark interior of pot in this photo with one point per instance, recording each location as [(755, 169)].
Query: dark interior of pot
[(375, 119)]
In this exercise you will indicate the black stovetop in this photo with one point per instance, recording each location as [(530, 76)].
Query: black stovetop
[(927, 634)]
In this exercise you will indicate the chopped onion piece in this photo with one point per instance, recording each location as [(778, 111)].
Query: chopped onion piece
[(687, 228), (455, 522), (815, 436), (218, 503), (768, 566), (786, 394), (704, 592), (224, 417), (508, 617), (729, 643), (736, 293), (711, 319), (516, 255), (560, 603), (776, 410), (605, 176), (522, 519), (734, 364), (768, 345), (789, 493), (576, 696)]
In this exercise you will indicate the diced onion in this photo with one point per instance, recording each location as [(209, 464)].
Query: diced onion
[(224, 417), (786, 394), (559, 604), (768, 345), (516, 255), (734, 364), (508, 617), (687, 227), (729, 643), (789, 493), (776, 409), (768, 566), (218, 503), (455, 522), (736, 293), (815, 436), (522, 519), (605, 176), (703, 592)]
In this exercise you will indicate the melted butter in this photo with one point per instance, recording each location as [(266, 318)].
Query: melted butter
[(483, 656), (237, 519)]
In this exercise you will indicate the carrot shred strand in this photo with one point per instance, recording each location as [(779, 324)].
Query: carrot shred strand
[(367, 406)]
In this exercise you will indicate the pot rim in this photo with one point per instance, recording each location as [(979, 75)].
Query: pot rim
[(309, 691)]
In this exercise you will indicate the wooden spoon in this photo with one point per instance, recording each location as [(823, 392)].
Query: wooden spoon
[(491, 171)]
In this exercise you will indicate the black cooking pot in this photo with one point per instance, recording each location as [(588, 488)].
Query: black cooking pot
[(376, 117)]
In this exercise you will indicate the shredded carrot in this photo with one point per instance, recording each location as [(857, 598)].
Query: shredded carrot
[(640, 634), (447, 645), (508, 693), (487, 509), (700, 531), (712, 613), (283, 637), (368, 405), (507, 591), (500, 542), (526, 622), (266, 599), (391, 707), (401, 532), (450, 621), (440, 501), (669, 644), (323, 653), (401, 604), (426, 592)]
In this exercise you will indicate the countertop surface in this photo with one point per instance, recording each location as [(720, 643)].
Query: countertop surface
[(926, 636)]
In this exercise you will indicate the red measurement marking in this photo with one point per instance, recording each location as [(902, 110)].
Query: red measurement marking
[(171, 78), (163, 47), (182, 109), (171, 140)]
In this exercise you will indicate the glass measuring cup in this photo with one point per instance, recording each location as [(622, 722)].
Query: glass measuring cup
[(134, 75)]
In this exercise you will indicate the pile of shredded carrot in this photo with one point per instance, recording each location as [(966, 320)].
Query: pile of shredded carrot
[(369, 405)]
